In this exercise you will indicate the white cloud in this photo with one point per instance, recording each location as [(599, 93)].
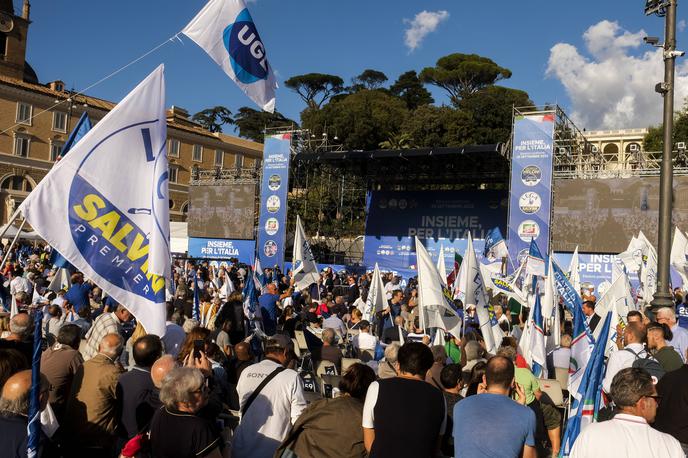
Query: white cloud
[(613, 87), (420, 26), (681, 25)]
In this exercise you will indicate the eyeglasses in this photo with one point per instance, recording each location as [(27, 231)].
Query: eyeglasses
[(656, 397)]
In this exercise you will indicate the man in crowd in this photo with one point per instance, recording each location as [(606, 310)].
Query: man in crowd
[(92, 407), (332, 321), (14, 411), (268, 409), (364, 342), (476, 416), (679, 340), (388, 366), (657, 336), (634, 336), (591, 317), (439, 360), (396, 333), (59, 364), (78, 294), (384, 416), (107, 323), (629, 433), (268, 306), (174, 334), (20, 337), (330, 351), (136, 400)]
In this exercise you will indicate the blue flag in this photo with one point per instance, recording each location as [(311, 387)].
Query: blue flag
[(537, 340), (82, 127), (196, 313), (34, 426), (495, 245), (585, 403), (250, 295), (535, 262)]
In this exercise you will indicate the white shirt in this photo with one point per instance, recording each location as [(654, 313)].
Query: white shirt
[(270, 416), (20, 284), (389, 287), (680, 340), (365, 341), (625, 435), (621, 359), (562, 357), (333, 322), (360, 304)]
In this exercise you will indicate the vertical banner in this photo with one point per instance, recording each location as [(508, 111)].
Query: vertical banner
[(531, 183), (273, 200)]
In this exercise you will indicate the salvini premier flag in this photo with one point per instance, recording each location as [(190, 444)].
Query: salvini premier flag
[(225, 30), (105, 205)]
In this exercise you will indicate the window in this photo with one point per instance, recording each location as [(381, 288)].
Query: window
[(257, 163), (24, 112), (219, 158), (174, 148), (55, 150), (21, 145), (238, 161), (173, 174), (59, 86), (197, 153), (16, 183), (59, 121)]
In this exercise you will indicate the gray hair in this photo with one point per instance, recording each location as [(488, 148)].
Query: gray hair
[(629, 385), (111, 351), (473, 350), (667, 312), (328, 335), (18, 406), (20, 324), (508, 352), (392, 352), (189, 325), (439, 354), (179, 384)]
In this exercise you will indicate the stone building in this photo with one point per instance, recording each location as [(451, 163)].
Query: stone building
[(36, 119)]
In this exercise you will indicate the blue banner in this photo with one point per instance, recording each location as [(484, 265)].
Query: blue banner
[(243, 250), (438, 218), (531, 183), (272, 224)]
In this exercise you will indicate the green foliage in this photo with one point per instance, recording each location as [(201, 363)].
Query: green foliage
[(315, 88), (362, 120), (410, 89), (213, 118), (463, 74), (490, 110), (370, 79), (654, 139), (252, 123), (430, 126)]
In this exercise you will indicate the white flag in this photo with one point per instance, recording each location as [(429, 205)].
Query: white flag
[(574, 271), (441, 266), (60, 280), (304, 268), (550, 308), (104, 206), (376, 300), (619, 301), (225, 30), (434, 299), (472, 291), (497, 283), (648, 270), (679, 247), (227, 286)]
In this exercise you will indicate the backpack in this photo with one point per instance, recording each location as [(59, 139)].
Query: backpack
[(648, 363)]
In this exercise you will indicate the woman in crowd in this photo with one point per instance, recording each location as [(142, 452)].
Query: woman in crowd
[(332, 427)]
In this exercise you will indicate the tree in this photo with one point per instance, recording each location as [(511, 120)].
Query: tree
[(463, 74), (491, 113), (430, 126), (362, 120), (369, 79), (654, 139), (315, 88), (252, 123), (214, 118), (409, 88), (402, 140)]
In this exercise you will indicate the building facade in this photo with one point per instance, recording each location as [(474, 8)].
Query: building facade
[(36, 119)]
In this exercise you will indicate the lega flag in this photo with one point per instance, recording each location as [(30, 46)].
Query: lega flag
[(305, 270), (104, 206), (225, 30)]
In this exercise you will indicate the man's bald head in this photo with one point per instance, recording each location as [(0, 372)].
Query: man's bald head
[(242, 350), (111, 345), (161, 368), (15, 393), (499, 372), (17, 385), (20, 324)]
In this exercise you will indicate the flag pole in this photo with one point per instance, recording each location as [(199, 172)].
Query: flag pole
[(12, 219), (34, 427), (14, 240)]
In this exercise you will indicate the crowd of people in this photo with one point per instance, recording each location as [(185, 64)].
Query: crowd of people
[(303, 374)]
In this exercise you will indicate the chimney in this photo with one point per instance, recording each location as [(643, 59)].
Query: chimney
[(26, 10)]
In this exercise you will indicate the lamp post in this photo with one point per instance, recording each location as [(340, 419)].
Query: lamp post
[(666, 8)]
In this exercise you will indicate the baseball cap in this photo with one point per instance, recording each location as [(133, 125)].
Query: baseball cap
[(278, 341)]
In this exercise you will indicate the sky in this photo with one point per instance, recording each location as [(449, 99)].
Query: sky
[(587, 56)]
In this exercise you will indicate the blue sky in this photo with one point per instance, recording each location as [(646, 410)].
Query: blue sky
[(81, 41)]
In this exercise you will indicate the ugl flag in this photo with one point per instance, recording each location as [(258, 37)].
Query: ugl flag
[(105, 208), (305, 271), (225, 30)]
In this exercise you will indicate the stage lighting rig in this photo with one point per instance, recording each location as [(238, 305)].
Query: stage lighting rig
[(657, 7)]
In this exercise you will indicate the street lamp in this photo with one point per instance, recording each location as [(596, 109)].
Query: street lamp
[(667, 9)]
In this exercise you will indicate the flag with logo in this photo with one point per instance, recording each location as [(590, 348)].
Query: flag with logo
[(305, 270), (105, 206), (535, 262), (226, 31), (499, 284), (585, 402), (648, 270), (434, 299), (617, 301), (376, 300), (495, 246)]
